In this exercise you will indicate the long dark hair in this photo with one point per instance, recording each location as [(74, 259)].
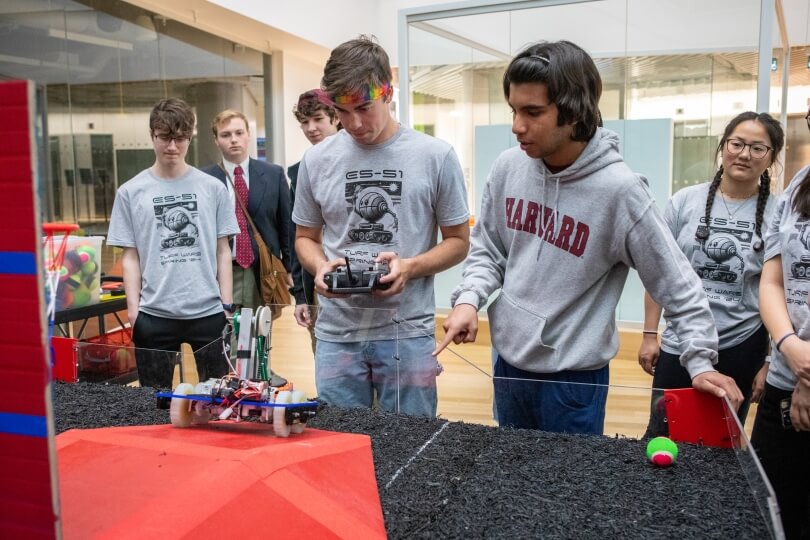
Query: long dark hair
[(777, 137), (801, 197)]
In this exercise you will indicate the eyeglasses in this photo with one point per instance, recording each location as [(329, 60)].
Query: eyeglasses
[(758, 150), (167, 139)]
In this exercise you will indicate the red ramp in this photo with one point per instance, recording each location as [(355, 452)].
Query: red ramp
[(238, 481)]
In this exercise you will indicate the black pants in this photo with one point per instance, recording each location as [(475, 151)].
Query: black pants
[(741, 363), (157, 341), (785, 456)]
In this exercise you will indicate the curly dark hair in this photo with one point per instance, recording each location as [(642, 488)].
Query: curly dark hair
[(312, 101)]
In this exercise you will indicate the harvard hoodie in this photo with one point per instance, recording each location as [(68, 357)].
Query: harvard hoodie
[(559, 246)]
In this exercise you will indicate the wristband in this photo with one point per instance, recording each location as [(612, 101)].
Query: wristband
[(228, 307), (779, 343), (651, 332)]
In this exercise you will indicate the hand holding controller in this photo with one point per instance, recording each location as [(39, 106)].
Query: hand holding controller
[(348, 280)]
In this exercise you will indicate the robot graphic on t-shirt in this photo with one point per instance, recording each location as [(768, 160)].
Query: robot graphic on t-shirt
[(373, 202), (800, 269), (719, 259), (176, 223)]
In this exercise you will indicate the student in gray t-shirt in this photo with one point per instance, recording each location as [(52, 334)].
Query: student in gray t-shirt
[(377, 192), (720, 226), (173, 222)]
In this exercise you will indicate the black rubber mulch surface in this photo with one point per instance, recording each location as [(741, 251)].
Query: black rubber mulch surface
[(441, 479)]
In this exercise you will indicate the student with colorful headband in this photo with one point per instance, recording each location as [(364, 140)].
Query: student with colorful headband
[(377, 192)]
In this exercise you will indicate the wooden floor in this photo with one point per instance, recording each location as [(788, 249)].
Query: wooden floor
[(465, 387)]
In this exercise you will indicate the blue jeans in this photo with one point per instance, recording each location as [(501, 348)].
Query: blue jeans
[(401, 372), (563, 402)]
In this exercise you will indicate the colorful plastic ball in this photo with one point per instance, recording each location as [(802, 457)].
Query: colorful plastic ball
[(84, 256), (662, 451)]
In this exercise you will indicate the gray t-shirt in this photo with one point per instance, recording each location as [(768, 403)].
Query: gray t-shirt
[(726, 263), (789, 237), (174, 225), (388, 197)]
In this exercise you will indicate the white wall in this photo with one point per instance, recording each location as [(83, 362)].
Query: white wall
[(300, 75)]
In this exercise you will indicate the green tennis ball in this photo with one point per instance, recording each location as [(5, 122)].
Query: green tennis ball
[(662, 451), (89, 250), (81, 296)]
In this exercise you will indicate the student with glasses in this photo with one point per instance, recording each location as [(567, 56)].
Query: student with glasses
[(720, 227), (173, 222), (781, 435)]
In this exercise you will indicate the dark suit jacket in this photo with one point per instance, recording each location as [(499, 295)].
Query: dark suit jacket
[(303, 282), (268, 206)]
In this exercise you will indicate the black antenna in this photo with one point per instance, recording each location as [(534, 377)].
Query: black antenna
[(349, 270)]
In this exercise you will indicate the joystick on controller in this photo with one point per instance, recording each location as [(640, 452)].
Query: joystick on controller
[(349, 280)]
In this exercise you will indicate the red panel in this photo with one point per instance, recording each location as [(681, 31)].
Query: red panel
[(26, 309), (64, 362), (36, 532), (21, 332), (27, 501), (19, 287), (24, 447), (700, 418), (22, 402), (34, 491), (31, 513), (15, 146), (19, 233), (15, 118), (14, 93), (313, 485), (21, 358)]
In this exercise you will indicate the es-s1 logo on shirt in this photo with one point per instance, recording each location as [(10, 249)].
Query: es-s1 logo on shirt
[(370, 173), (174, 198)]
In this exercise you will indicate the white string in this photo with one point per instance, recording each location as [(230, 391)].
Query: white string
[(413, 457)]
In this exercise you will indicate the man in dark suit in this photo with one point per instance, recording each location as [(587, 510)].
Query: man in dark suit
[(268, 203), (318, 121)]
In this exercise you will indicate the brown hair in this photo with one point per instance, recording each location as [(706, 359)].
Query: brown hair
[(310, 102), (354, 65), (224, 117), (174, 116)]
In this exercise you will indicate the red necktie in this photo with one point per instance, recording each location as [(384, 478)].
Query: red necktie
[(244, 251)]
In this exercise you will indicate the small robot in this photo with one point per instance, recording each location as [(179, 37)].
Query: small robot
[(250, 391)]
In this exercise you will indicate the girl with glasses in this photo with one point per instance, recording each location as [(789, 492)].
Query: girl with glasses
[(719, 227)]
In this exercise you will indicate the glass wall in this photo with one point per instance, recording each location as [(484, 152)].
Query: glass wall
[(99, 68), (672, 79)]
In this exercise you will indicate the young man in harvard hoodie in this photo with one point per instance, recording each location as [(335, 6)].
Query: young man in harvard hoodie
[(562, 220)]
